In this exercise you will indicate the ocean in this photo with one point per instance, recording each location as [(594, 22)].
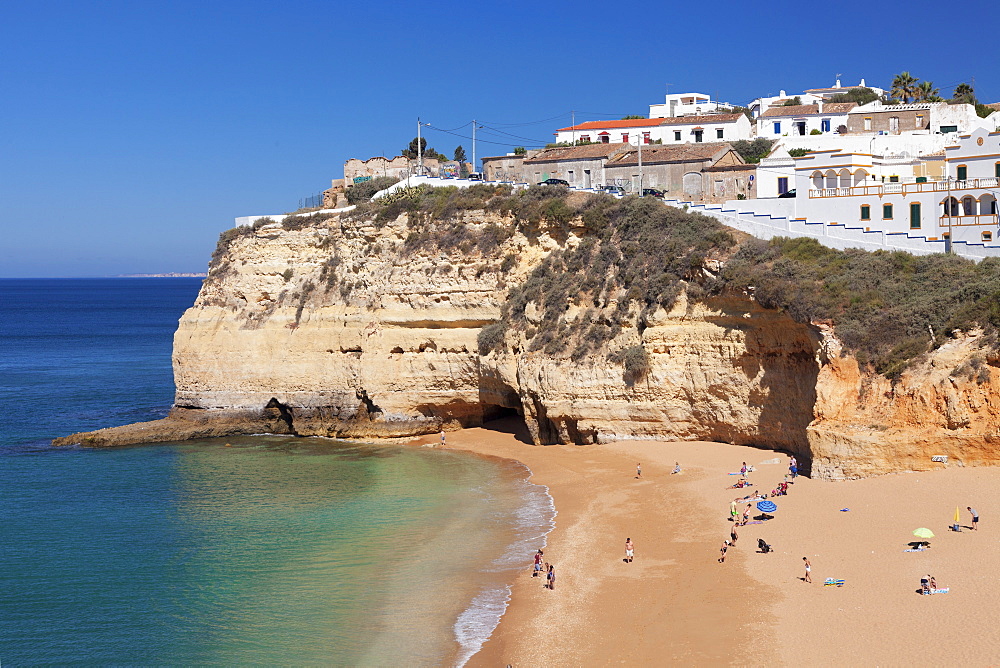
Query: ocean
[(249, 550)]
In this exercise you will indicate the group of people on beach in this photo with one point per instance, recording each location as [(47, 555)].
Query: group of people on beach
[(544, 567), (740, 519)]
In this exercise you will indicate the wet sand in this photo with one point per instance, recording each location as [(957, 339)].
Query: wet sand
[(676, 605)]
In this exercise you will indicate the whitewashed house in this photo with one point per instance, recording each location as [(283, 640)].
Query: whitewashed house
[(957, 204), (686, 104), (630, 131), (804, 119), (704, 129), (809, 96)]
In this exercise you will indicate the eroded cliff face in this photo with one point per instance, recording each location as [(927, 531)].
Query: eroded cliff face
[(354, 329)]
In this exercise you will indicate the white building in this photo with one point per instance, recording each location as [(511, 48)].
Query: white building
[(804, 119), (921, 117), (679, 130), (809, 96), (686, 104), (708, 128), (610, 132), (959, 206)]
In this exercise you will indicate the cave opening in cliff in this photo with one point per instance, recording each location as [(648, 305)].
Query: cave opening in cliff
[(502, 411)]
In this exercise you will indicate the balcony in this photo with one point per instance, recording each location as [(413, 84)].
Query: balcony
[(906, 188)]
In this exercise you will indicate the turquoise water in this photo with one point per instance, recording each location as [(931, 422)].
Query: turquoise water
[(262, 550)]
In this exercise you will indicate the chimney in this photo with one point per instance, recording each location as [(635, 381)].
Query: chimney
[(838, 84), (862, 84), (781, 93), (819, 105)]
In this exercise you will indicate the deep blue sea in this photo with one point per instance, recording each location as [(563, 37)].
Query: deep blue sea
[(251, 550)]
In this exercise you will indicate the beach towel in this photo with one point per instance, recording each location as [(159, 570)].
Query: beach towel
[(832, 582), (940, 591), (916, 549), (845, 510)]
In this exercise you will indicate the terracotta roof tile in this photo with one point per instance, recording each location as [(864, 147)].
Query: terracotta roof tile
[(611, 125), (587, 151)]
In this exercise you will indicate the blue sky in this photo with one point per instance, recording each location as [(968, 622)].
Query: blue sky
[(132, 133)]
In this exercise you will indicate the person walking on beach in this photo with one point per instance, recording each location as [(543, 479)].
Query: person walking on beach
[(725, 546), (638, 470), (975, 517), (442, 437), (551, 578), (734, 514), (793, 467), (629, 550), (746, 513), (733, 535), (808, 576), (538, 563)]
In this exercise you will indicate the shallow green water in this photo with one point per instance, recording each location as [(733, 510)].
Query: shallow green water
[(269, 551)]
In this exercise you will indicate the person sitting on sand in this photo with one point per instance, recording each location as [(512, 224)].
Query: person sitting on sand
[(677, 468), (932, 583), (740, 484), (925, 585)]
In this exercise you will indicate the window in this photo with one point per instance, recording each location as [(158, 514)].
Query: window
[(914, 215), (824, 125), (996, 170), (920, 121), (962, 172), (868, 123), (782, 185), (645, 138), (718, 133), (624, 137), (677, 135), (945, 129), (698, 135), (894, 124), (887, 212), (987, 236), (866, 212), (777, 127), (571, 176), (584, 137), (893, 179)]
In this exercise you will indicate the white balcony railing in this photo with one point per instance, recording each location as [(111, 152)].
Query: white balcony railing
[(906, 188)]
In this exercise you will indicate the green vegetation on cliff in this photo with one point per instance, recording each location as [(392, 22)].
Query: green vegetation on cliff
[(635, 256)]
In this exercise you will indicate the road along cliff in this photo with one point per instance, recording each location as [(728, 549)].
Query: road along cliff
[(593, 319)]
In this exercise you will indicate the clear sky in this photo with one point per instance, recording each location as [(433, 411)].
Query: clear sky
[(132, 133)]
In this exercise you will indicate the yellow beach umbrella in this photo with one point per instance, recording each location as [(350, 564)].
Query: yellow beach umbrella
[(923, 532), (956, 515)]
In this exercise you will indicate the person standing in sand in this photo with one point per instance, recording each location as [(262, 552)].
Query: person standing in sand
[(638, 470), (551, 578), (725, 546), (793, 467), (808, 576), (746, 513), (442, 437), (734, 514), (733, 535), (538, 564), (975, 517), (629, 550)]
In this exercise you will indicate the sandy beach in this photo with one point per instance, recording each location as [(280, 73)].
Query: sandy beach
[(675, 604)]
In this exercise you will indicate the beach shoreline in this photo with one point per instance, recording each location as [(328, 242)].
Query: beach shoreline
[(676, 604)]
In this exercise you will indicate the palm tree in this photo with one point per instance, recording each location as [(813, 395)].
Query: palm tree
[(904, 87), (964, 93), (926, 91)]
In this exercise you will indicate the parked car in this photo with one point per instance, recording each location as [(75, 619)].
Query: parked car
[(554, 182), (475, 176), (611, 190), (652, 192), (787, 195)]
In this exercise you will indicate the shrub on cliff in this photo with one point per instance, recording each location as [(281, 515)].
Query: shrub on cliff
[(362, 192), (490, 337)]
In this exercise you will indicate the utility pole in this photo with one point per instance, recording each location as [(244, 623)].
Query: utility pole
[(640, 162), (572, 125), (474, 124), (420, 151)]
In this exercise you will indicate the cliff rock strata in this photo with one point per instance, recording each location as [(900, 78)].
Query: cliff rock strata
[(355, 329)]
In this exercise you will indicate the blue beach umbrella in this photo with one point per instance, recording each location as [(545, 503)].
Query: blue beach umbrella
[(766, 506)]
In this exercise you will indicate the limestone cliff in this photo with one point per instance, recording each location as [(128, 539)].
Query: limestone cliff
[(356, 327)]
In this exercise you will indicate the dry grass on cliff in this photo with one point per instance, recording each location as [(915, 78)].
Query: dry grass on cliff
[(888, 307)]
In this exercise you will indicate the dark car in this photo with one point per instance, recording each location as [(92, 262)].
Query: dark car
[(554, 182), (787, 195), (652, 192), (611, 190), (475, 176)]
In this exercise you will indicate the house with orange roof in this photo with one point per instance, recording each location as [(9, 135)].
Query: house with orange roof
[(676, 130)]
